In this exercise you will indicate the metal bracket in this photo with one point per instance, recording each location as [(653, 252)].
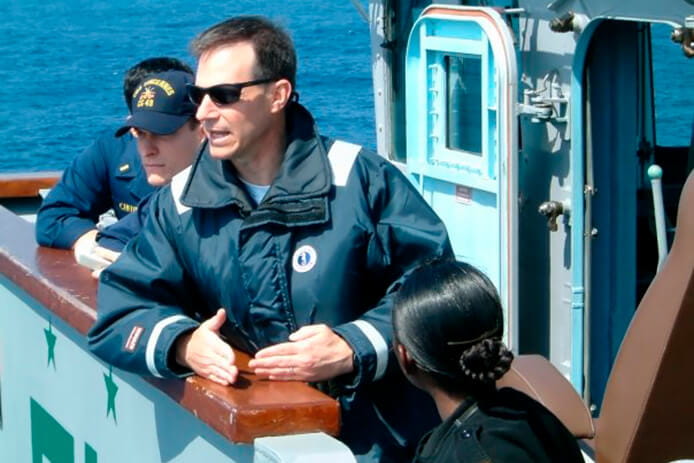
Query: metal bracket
[(552, 210), (546, 103)]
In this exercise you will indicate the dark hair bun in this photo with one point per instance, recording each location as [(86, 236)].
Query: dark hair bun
[(485, 362)]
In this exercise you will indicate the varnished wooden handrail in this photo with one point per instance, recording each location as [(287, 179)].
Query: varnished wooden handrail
[(26, 185), (250, 409)]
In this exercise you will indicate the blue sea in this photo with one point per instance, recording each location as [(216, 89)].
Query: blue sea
[(62, 61)]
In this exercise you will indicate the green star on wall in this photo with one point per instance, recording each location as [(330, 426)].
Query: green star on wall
[(111, 391), (50, 341)]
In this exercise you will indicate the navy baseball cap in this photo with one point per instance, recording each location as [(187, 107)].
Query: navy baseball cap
[(160, 104)]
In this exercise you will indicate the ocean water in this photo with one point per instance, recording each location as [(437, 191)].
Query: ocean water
[(673, 74), (62, 61)]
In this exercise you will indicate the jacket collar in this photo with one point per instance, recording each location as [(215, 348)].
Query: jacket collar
[(297, 196), (434, 444)]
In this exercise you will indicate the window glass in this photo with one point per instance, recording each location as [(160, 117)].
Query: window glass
[(464, 103)]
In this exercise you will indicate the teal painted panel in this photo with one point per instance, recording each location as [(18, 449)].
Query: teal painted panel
[(453, 44), (452, 29), (57, 402), (459, 79), (293, 449), (461, 186), (456, 173), (470, 213)]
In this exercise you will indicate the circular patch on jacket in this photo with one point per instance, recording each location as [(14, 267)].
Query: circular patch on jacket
[(304, 259)]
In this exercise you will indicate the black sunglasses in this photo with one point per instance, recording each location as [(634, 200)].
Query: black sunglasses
[(222, 94)]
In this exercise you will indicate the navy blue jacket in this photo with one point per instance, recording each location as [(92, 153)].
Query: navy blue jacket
[(337, 230), (505, 427), (107, 175)]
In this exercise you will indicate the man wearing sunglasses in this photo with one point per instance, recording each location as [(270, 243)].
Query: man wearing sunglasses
[(107, 175), (288, 244)]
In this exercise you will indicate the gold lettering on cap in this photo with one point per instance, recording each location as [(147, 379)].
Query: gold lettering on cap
[(146, 98), (164, 85)]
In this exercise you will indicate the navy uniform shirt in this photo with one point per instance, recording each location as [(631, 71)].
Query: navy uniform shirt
[(107, 175)]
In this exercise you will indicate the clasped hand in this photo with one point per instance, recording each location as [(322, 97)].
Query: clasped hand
[(313, 353), (203, 351)]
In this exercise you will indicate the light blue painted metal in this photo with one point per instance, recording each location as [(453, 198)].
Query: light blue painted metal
[(440, 169), (69, 389), (315, 447), (577, 205), (381, 64)]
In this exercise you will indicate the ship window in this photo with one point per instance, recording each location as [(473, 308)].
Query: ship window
[(464, 103)]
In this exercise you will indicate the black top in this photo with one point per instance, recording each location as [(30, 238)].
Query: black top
[(507, 426)]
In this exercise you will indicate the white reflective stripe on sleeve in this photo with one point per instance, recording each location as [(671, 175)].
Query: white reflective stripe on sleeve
[(379, 344), (154, 338), (178, 183), (341, 157)]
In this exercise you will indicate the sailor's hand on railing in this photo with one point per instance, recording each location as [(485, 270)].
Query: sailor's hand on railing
[(313, 353), (204, 352), (86, 240), (84, 252)]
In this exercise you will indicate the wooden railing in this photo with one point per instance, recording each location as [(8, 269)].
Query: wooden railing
[(249, 409), (26, 185)]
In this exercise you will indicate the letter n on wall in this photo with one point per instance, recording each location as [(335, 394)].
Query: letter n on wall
[(49, 438)]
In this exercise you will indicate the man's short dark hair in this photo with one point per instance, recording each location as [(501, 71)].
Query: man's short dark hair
[(274, 50), (136, 74)]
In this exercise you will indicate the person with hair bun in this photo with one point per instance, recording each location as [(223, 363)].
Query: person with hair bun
[(448, 324)]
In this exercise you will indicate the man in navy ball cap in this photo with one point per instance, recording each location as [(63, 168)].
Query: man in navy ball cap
[(168, 138), (164, 125), (106, 176)]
